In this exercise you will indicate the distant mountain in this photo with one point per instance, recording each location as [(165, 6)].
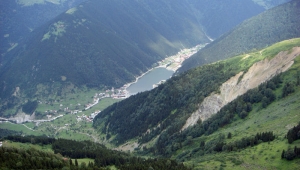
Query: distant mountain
[(274, 25), (108, 43), (19, 18)]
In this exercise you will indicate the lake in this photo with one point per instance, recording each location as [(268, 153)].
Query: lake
[(147, 81)]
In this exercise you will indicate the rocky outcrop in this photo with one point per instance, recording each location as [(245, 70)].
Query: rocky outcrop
[(21, 118), (258, 73), (16, 92)]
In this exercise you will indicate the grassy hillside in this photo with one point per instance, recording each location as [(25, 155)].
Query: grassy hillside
[(164, 110), (278, 117), (274, 25)]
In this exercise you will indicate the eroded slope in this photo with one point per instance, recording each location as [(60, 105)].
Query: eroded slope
[(258, 73)]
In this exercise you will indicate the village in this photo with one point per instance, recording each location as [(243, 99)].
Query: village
[(115, 94), (174, 62)]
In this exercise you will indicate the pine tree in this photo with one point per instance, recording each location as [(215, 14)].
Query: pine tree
[(76, 163), (287, 89), (229, 135), (298, 78), (282, 154)]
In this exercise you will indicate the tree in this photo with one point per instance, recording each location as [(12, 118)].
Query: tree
[(265, 102), (229, 135), (290, 154), (30, 107), (76, 163), (287, 89), (243, 114), (282, 154), (202, 143), (150, 168), (269, 94), (298, 78), (83, 165)]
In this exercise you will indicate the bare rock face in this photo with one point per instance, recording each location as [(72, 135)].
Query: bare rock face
[(258, 73), (16, 92)]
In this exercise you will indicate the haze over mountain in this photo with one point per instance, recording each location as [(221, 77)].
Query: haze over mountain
[(270, 3), (272, 26), (108, 43)]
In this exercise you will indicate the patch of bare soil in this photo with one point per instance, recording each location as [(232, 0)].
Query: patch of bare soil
[(127, 147)]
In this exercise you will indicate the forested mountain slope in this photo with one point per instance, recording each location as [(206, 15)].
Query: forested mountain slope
[(20, 17), (274, 25), (166, 109), (42, 152), (108, 43)]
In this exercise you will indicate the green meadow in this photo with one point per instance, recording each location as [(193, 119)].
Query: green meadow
[(68, 126)]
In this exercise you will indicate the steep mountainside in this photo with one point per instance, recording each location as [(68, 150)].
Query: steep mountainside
[(20, 17), (239, 84), (236, 145), (258, 130), (167, 109), (219, 17), (108, 43), (272, 26)]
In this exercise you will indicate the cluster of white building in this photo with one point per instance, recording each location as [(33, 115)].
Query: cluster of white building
[(88, 106), (120, 94), (88, 118), (93, 115)]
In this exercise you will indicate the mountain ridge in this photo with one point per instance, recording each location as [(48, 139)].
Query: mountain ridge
[(271, 26)]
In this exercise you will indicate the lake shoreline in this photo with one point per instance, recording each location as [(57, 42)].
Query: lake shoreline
[(137, 78), (171, 63)]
